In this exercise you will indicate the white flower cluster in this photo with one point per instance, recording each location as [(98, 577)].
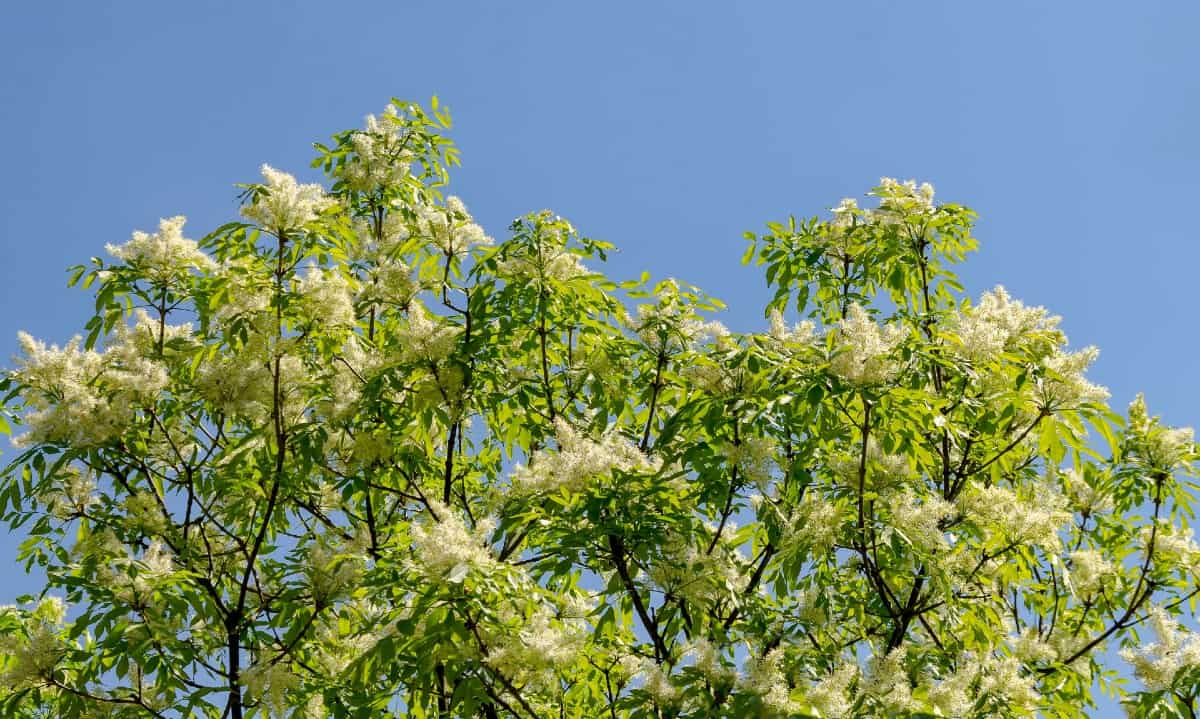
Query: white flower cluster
[(165, 256), (707, 660), (85, 398), (326, 297), (764, 677), (1089, 571), (389, 284), (426, 337), (671, 324), (754, 457), (831, 695), (919, 518), (1158, 663), (814, 525), (887, 686), (333, 571), (270, 683), (73, 495), (450, 228), (286, 205), (380, 158), (1036, 518), (863, 351), (798, 336), (898, 200), (578, 461), (1003, 680), (684, 570), (1084, 498), (952, 696), (29, 655), (541, 643), (445, 549), (241, 381), (550, 259), (1174, 544), (1160, 448), (1064, 386), (996, 325)]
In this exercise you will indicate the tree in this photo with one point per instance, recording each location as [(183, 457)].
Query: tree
[(349, 457)]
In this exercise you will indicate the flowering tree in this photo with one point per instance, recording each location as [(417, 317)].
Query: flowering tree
[(349, 457)]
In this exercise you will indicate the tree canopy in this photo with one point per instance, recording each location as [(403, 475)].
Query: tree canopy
[(351, 457)]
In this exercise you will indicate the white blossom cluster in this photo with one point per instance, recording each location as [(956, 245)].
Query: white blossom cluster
[(285, 205), (270, 683), (898, 200), (671, 324), (578, 461), (333, 570), (426, 337), (1089, 571), (863, 349), (1035, 519), (29, 655), (996, 325), (451, 228), (800, 335), (550, 259), (919, 519), (446, 549), (380, 157), (886, 685), (1158, 663), (541, 643), (764, 677), (83, 397), (165, 256), (327, 297), (1064, 386), (831, 694), (814, 524), (1162, 449)]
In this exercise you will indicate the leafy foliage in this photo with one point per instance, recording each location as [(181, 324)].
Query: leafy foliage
[(388, 466)]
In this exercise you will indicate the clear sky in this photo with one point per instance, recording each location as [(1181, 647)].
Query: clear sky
[(667, 128)]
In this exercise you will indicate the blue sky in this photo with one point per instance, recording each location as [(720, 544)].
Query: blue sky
[(668, 129)]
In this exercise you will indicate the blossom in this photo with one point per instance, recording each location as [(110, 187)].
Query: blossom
[(380, 158), (862, 355), (579, 459), (326, 297), (801, 334), (671, 324), (451, 228), (886, 682), (814, 523), (1002, 679), (1063, 385), (1035, 518), (764, 677), (1089, 570), (919, 518), (446, 549), (1157, 663), (66, 404), (831, 695), (541, 643), (284, 205), (271, 683), (164, 256), (996, 325), (898, 199), (331, 573), (425, 337)]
